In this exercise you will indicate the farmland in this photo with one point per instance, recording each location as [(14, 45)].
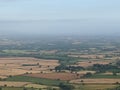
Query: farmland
[(73, 64), (96, 81), (94, 87), (16, 66), (56, 76)]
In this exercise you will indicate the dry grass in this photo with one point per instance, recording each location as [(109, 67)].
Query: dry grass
[(84, 72), (107, 73), (14, 84), (38, 86), (3, 77)]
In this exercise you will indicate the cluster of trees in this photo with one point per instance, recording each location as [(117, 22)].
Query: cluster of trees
[(70, 68), (66, 86), (100, 68), (87, 75), (118, 63)]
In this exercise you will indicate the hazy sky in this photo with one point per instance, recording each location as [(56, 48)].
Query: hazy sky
[(60, 16)]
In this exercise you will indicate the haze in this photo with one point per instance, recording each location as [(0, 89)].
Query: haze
[(60, 17)]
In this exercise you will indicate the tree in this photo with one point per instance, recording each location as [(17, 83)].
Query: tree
[(88, 74), (0, 88), (118, 63), (66, 86), (49, 88), (100, 68), (5, 85), (81, 81), (114, 74), (24, 89)]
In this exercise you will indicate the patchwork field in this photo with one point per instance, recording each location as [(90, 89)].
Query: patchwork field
[(39, 73)]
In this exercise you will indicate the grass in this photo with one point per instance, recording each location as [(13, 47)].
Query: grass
[(35, 80), (15, 51), (14, 88), (11, 88), (104, 76), (94, 87), (77, 87), (40, 86), (35, 86)]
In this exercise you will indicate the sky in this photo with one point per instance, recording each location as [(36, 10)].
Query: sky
[(60, 16)]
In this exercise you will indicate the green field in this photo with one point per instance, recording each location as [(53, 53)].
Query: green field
[(94, 87), (105, 76), (35, 80), (14, 51)]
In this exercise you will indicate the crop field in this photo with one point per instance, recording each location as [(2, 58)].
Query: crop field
[(84, 72), (90, 63), (48, 51), (88, 56), (13, 84), (19, 88), (96, 81), (40, 81), (36, 86), (39, 86), (12, 88), (56, 76), (94, 87), (107, 76), (21, 65)]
